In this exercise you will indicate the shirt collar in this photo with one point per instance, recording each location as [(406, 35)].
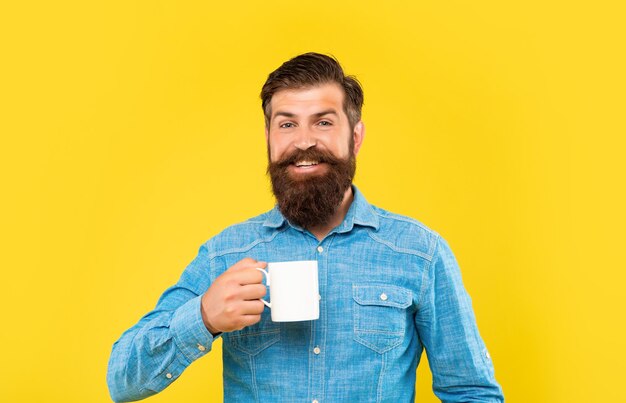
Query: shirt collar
[(359, 213), (274, 218)]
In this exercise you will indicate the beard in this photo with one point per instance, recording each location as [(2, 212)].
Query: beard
[(310, 200)]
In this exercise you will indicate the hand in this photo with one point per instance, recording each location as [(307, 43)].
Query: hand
[(232, 302)]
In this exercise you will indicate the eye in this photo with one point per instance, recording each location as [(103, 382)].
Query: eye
[(325, 123), (287, 125)]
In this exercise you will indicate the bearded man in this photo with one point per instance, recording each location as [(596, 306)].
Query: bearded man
[(389, 286)]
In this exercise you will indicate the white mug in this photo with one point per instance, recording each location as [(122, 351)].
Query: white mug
[(294, 290)]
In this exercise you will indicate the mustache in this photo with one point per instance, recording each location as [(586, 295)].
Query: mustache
[(310, 154)]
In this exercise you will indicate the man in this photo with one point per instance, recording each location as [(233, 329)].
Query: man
[(389, 286)]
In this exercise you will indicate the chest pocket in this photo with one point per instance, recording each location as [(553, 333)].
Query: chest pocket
[(256, 338), (380, 315)]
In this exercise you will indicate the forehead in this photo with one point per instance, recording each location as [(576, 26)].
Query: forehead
[(308, 100)]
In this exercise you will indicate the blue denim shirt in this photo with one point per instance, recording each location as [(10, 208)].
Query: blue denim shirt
[(362, 348)]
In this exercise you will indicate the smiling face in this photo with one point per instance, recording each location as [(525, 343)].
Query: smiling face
[(311, 117), (312, 150)]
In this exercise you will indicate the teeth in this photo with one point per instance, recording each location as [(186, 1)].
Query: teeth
[(306, 163)]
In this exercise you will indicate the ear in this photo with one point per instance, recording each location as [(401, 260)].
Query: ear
[(358, 135), (267, 135)]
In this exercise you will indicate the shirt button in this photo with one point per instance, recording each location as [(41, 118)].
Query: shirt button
[(314, 401), (320, 249), (383, 296), (201, 347), (168, 375), (317, 350), (319, 297)]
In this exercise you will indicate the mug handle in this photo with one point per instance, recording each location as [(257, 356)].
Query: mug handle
[(267, 277)]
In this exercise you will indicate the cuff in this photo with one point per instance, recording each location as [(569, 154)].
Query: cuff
[(190, 335)]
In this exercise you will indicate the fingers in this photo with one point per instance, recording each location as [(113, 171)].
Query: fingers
[(253, 310), (233, 302), (252, 292), (248, 276), (249, 314), (245, 271), (248, 263), (254, 307), (249, 320)]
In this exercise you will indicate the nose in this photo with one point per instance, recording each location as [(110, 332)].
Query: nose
[(305, 139)]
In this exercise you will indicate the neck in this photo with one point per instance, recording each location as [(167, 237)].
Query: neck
[(321, 231)]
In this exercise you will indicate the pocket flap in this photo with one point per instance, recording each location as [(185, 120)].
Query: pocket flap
[(381, 295)]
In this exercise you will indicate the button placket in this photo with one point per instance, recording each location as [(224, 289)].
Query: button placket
[(318, 339)]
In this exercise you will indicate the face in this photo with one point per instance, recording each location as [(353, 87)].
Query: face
[(308, 118), (312, 152)]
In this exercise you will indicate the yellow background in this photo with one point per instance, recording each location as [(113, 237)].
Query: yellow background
[(132, 132)]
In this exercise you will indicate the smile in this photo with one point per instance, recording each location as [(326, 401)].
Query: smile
[(302, 164)]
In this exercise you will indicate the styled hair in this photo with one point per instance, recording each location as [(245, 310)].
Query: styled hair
[(308, 70)]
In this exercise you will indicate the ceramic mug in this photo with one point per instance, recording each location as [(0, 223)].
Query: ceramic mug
[(294, 290)]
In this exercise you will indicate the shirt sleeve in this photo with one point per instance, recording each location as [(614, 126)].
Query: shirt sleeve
[(460, 364), (152, 354)]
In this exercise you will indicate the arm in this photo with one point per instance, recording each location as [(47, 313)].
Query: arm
[(152, 354), (460, 364)]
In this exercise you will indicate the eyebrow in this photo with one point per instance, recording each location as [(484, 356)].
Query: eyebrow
[(326, 112), (316, 115), (286, 114)]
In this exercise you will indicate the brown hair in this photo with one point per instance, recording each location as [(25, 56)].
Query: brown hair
[(311, 69)]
